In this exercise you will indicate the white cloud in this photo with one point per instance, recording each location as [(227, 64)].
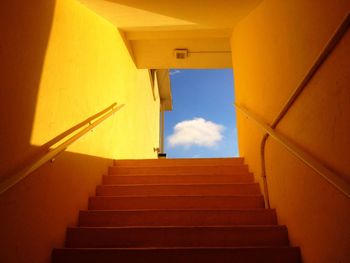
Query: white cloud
[(198, 131), (174, 72)]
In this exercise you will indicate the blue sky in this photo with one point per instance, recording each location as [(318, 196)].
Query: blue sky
[(202, 122)]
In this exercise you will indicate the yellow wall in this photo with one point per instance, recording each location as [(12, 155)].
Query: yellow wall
[(83, 67), (87, 67), (61, 63), (273, 47), (36, 212)]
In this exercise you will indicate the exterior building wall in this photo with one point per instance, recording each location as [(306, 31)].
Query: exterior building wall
[(273, 48), (60, 64), (81, 66), (87, 67)]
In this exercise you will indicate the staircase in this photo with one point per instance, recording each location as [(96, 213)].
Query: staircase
[(177, 210)]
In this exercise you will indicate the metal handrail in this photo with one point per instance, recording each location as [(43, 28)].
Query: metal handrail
[(13, 180), (327, 50), (332, 177)]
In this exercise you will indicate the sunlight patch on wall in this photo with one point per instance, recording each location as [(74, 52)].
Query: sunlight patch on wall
[(87, 68)]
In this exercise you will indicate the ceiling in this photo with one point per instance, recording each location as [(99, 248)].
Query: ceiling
[(154, 29)]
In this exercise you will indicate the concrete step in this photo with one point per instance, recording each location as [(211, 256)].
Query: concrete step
[(179, 179), (180, 162), (178, 211), (178, 170), (176, 255), (175, 202), (179, 189), (203, 236), (116, 218)]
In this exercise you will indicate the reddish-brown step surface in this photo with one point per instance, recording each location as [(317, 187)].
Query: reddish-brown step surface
[(175, 202), (178, 170), (176, 255), (178, 189), (178, 210), (113, 218), (180, 162), (179, 179), (189, 236)]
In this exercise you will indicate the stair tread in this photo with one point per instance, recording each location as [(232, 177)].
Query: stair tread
[(178, 189), (179, 254), (183, 174), (181, 210), (183, 248), (183, 165), (177, 179), (179, 184), (186, 227), (180, 196), (179, 217), (206, 236), (182, 160), (177, 170), (175, 202)]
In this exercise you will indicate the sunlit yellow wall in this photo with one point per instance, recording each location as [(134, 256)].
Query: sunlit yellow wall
[(61, 63), (86, 68), (273, 48)]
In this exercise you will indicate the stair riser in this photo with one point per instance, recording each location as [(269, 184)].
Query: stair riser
[(177, 170), (184, 179), (179, 162), (176, 237), (175, 202), (237, 255), (156, 190), (176, 218)]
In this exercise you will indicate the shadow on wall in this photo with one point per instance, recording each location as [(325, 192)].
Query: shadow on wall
[(25, 29), (36, 212)]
